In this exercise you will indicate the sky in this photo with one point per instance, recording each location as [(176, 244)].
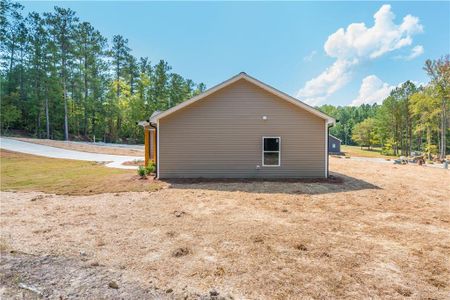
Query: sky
[(339, 53)]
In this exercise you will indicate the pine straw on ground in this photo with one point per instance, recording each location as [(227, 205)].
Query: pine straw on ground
[(382, 233)]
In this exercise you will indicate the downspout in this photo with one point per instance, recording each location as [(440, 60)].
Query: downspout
[(155, 146), (328, 150)]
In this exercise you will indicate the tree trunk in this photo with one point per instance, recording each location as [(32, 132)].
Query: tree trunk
[(21, 78), (118, 78), (66, 118), (419, 140), (38, 97), (85, 125), (38, 124), (11, 65), (93, 121), (47, 118), (443, 130), (410, 138)]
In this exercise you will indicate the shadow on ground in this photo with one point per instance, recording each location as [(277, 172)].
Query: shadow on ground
[(335, 184)]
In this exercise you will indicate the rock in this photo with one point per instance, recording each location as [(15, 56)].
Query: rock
[(171, 233), (220, 271), (179, 213), (213, 293), (38, 197), (94, 264), (301, 247), (82, 253), (30, 288), (258, 239), (168, 291), (113, 285), (325, 254), (181, 252)]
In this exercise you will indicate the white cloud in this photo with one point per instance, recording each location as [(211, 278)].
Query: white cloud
[(359, 43), (415, 52), (310, 56), (372, 90), (384, 36), (331, 80), (420, 83)]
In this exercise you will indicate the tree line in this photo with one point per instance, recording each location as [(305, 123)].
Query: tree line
[(61, 78), (411, 118)]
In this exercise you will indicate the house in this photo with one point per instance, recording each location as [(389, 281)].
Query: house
[(241, 128), (334, 144)]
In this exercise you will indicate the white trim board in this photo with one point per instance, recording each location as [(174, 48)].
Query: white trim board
[(326, 150), (242, 75), (335, 137), (158, 132)]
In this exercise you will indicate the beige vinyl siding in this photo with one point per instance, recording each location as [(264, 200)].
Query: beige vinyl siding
[(220, 136)]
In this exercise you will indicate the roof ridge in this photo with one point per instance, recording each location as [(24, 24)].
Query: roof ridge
[(243, 75)]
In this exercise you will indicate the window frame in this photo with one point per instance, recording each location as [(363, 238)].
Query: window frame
[(279, 150)]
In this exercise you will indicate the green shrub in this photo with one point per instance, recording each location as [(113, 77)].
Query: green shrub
[(388, 147), (151, 167), (142, 171)]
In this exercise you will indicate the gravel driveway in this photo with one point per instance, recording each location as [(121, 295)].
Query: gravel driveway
[(113, 161)]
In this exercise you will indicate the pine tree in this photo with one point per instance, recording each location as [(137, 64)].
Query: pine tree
[(62, 24)]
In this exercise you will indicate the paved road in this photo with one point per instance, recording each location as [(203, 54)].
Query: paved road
[(114, 161)]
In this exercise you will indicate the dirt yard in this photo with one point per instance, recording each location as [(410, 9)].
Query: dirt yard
[(87, 147), (382, 233)]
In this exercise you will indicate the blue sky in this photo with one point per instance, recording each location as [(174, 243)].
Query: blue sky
[(283, 44)]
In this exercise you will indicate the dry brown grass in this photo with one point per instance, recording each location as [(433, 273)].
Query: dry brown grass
[(382, 233), (136, 162), (84, 147)]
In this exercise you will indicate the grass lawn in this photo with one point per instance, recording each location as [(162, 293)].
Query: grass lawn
[(357, 151), (24, 172)]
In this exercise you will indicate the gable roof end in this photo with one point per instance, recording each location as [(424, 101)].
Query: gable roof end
[(254, 81), (334, 137)]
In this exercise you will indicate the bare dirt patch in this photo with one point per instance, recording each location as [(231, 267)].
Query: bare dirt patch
[(25, 276), (384, 232), (136, 162), (84, 147)]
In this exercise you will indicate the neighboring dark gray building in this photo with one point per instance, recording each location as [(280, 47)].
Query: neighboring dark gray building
[(334, 144)]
